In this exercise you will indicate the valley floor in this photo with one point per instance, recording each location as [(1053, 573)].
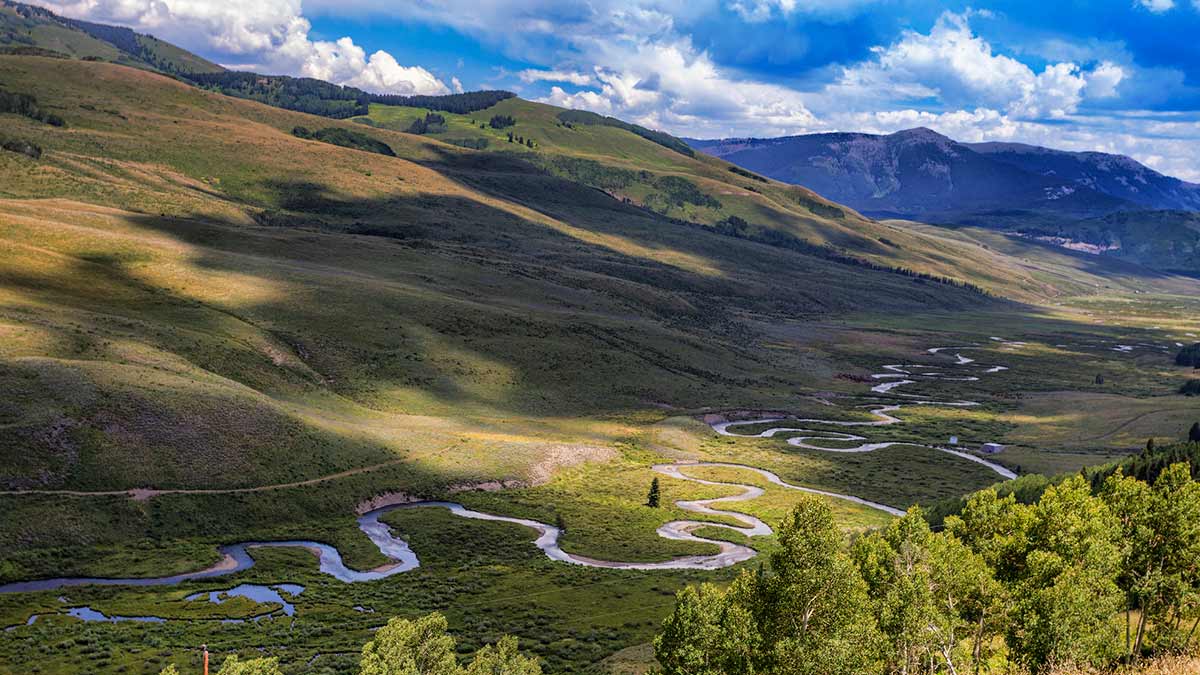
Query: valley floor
[(491, 579)]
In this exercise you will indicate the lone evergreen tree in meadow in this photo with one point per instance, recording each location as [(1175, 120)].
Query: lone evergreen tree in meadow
[(1194, 433), (652, 498)]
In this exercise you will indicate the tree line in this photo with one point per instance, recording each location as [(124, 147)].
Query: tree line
[(318, 97), (345, 138), (1079, 577), (734, 226), (26, 105), (409, 647)]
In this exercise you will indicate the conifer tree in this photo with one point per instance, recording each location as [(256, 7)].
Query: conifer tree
[(652, 498)]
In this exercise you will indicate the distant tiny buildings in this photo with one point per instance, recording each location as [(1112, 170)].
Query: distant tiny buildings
[(991, 448)]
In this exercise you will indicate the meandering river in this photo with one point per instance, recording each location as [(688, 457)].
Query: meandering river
[(237, 557)]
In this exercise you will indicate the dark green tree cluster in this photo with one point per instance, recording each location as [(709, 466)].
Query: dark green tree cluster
[(459, 104), (346, 139), (27, 106), (1078, 577), (502, 121), (748, 174), (1190, 388), (676, 191), (520, 140), (409, 647), (733, 226), (432, 123), (1189, 356), (303, 94)]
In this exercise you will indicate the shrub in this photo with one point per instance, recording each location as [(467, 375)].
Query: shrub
[(1190, 388), (502, 121), (1189, 356), (23, 147)]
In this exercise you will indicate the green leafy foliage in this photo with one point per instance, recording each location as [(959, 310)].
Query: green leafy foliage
[(1030, 585), (930, 592), (808, 614), (1160, 529), (423, 647), (405, 647), (346, 139), (503, 658)]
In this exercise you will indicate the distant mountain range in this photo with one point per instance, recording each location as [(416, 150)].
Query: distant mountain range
[(1092, 201)]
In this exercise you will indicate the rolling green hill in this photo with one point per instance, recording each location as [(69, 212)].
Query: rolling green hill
[(26, 27)]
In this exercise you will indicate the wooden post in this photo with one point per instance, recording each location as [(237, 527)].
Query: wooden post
[(205, 648)]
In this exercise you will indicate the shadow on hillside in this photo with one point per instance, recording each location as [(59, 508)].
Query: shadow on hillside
[(585, 306), (1099, 265)]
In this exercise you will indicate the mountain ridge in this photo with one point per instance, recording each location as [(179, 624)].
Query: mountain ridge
[(807, 156)]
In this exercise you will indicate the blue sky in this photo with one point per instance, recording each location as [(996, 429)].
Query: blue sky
[(1118, 76)]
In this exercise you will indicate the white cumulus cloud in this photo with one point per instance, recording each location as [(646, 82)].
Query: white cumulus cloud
[(958, 68), (1158, 6), (270, 35), (575, 78)]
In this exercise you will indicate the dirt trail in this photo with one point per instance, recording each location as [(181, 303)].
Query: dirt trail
[(142, 494)]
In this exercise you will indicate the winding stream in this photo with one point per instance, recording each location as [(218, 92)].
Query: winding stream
[(898, 375), (236, 557)]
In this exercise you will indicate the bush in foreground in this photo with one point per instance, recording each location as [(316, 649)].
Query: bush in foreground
[(345, 138), (410, 647), (1077, 577)]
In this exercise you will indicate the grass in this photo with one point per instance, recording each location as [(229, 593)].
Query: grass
[(193, 298)]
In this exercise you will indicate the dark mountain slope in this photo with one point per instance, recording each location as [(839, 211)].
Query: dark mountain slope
[(915, 174), (1114, 175)]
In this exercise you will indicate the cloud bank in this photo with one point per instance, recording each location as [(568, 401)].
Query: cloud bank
[(266, 35)]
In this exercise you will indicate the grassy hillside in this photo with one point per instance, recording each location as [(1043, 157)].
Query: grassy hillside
[(197, 294), (24, 27), (267, 330)]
